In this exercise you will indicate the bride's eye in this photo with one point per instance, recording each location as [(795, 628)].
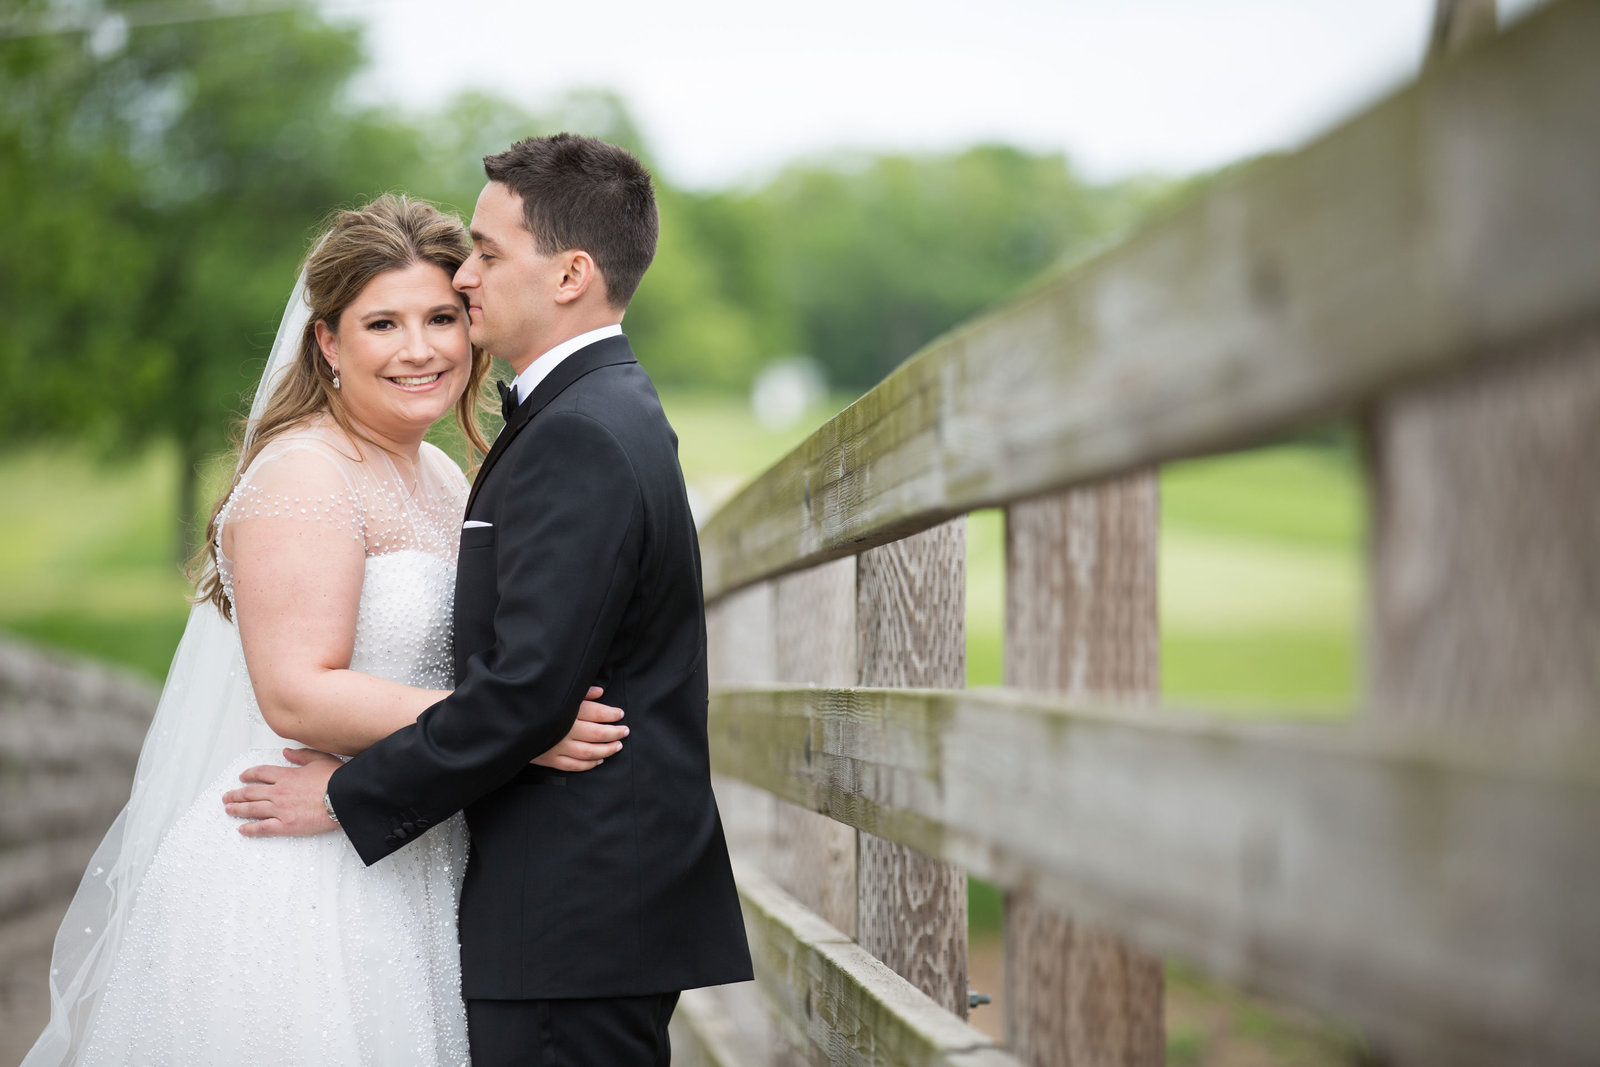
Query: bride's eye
[(447, 318), (380, 324)]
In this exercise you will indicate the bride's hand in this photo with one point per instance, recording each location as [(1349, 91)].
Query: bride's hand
[(280, 801), (596, 734)]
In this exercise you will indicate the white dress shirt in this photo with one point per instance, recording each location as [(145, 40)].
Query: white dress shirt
[(540, 368)]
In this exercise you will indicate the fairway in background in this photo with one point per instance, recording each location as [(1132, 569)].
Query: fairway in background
[(88, 554), (1262, 596), (1260, 583)]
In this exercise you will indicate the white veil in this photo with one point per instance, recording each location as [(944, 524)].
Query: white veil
[(199, 726)]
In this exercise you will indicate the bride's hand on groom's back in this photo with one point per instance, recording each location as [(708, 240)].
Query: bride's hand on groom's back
[(596, 734)]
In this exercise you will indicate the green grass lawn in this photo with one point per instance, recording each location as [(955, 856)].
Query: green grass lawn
[(1261, 581), (1259, 584), (88, 554)]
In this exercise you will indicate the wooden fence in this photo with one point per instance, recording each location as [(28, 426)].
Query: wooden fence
[(1431, 872)]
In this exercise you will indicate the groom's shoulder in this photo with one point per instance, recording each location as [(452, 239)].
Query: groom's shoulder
[(619, 395)]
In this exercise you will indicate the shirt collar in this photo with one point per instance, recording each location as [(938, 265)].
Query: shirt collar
[(540, 368)]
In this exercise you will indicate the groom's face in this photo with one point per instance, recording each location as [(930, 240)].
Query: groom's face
[(509, 284)]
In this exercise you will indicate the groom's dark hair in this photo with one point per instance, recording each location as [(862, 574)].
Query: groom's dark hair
[(583, 193)]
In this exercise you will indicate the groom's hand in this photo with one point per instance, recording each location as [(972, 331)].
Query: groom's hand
[(285, 801), (595, 734)]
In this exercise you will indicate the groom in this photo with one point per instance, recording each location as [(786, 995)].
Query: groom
[(590, 899)]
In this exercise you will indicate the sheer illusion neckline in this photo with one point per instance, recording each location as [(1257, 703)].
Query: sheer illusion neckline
[(407, 471), (317, 474)]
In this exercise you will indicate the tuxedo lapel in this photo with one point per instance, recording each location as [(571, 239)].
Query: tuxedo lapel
[(607, 352)]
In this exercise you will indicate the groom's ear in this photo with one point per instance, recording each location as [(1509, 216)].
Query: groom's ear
[(579, 274)]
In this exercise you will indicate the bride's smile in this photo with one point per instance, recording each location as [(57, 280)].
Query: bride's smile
[(414, 382)]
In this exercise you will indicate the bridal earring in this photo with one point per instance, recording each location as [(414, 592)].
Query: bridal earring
[(336, 377)]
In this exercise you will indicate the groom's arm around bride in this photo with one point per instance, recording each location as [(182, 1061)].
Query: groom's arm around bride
[(590, 899)]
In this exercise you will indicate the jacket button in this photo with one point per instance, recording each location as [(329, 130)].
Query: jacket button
[(400, 834)]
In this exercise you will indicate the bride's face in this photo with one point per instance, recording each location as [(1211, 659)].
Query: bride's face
[(401, 351)]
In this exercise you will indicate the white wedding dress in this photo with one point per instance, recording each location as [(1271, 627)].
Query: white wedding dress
[(289, 950)]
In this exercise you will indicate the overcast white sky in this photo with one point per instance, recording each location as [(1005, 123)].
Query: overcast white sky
[(728, 90)]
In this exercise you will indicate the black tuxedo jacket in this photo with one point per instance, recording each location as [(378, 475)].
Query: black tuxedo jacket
[(614, 881)]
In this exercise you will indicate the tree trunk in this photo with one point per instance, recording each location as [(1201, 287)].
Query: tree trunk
[(191, 529)]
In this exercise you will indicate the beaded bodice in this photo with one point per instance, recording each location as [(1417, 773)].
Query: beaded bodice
[(409, 528)]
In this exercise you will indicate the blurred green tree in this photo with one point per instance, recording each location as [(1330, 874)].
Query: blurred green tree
[(160, 177), (157, 187), (458, 133), (879, 255), (692, 320)]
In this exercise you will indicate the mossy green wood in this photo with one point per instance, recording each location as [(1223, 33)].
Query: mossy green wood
[(1439, 894), (703, 1035), (836, 1004)]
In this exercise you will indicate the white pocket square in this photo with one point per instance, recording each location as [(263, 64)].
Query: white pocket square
[(472, 524)]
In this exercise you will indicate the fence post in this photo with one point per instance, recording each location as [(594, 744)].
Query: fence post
[(911, 910), (1457, 23), (1485, 591), (1486, 525), (813, 857), (740, 649), (1081, 619)]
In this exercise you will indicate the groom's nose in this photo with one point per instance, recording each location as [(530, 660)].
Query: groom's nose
[(464, 278)]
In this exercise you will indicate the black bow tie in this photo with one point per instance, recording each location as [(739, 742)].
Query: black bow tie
[(508, 399)]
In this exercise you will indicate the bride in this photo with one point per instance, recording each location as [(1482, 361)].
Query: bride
[(324, 619)]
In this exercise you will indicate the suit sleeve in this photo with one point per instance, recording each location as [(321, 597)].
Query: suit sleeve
[(568, 546)]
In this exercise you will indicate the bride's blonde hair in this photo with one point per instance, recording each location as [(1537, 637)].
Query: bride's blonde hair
[(390, 233)]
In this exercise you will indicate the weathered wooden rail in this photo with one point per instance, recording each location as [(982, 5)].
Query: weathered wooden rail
[(1430, 873)]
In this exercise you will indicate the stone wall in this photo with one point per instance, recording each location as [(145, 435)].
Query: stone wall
[(70, 731)]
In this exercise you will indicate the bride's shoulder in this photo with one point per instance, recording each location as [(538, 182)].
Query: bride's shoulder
[(439, 462), (304, 467), (316, 445)]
